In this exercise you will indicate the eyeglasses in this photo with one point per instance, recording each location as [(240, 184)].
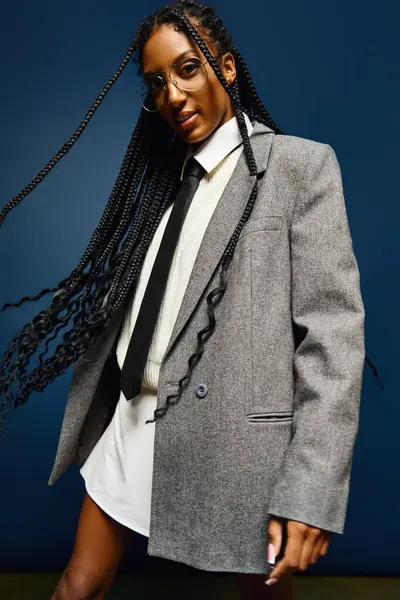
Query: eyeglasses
[(188, 74)]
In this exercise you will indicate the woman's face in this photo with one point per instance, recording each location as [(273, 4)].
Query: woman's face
[(212, 104)]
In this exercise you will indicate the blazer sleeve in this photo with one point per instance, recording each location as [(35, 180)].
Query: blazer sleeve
[(312, 485)]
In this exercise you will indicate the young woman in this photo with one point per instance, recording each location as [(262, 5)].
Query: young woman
[(233, 455)]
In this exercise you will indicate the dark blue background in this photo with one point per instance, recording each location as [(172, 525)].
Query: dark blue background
[(325, 71)]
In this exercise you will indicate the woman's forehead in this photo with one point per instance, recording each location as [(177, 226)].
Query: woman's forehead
[(164, 47)]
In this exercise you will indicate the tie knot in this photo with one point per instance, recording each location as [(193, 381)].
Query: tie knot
[(194, 168)]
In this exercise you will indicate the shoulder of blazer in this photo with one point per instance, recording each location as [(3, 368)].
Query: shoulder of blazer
[(293, 154)]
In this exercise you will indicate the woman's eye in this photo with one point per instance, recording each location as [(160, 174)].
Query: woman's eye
[(188, 69), (156, 84)]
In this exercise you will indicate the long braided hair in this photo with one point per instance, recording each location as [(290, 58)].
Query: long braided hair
[(147, 182)]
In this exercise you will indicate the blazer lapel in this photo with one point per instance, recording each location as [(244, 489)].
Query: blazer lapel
[(221, 226)]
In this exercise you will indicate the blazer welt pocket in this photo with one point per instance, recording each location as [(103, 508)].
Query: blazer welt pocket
[(262, 224), (270, 417)]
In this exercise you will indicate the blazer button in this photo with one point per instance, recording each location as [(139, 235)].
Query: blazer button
[(201, 390)]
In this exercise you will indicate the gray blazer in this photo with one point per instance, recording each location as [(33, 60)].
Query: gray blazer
[(275, 431)]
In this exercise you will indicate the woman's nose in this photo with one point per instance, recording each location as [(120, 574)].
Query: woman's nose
[(174, 94)]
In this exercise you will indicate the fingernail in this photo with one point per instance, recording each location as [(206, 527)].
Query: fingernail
[(271, 581), (271, 554)]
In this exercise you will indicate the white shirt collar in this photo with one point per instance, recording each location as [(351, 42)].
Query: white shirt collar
[(220, 143)]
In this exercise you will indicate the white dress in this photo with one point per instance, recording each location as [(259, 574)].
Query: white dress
[(118, 472)]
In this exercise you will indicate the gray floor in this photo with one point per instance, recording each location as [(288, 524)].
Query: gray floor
[(34, 586)]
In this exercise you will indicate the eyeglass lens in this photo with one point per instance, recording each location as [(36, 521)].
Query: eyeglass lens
[(188, 74)]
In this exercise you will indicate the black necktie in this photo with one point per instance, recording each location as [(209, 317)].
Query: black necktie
[(136, 356)]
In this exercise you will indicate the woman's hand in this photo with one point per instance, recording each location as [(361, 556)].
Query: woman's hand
[(305, 544)]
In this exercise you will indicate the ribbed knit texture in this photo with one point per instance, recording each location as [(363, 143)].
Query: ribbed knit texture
[(195, 224)]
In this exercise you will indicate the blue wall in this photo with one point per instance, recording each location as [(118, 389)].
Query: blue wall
[(325, 71)]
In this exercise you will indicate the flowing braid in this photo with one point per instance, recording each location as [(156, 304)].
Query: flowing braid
[(147, 183)]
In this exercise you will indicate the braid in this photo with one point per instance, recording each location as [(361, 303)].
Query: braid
[(146, 184), (69, 143)]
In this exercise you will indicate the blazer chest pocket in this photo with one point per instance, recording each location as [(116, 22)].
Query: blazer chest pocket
[(269, 222)]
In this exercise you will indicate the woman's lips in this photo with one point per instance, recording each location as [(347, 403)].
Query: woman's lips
[(185, 125)]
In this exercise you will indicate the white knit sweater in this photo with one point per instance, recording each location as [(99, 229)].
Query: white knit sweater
[(118, 472)]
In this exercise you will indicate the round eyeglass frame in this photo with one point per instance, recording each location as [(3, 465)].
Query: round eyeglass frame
[(179, 87)]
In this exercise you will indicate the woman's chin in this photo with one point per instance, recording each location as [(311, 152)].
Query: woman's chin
[(195, 137), (190, 137)]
